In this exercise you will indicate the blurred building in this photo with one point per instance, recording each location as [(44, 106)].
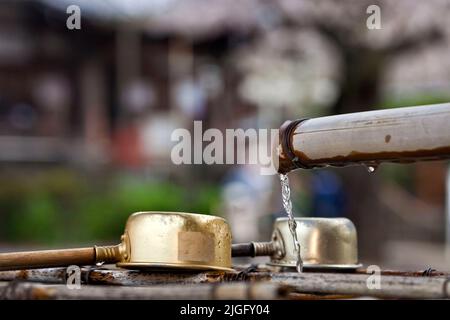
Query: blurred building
[(110, 94), (113, 91)]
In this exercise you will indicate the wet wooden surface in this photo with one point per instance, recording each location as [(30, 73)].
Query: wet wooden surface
[(245, 283)]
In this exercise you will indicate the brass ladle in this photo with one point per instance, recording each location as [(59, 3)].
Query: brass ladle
[(326, 243), (156, 240)]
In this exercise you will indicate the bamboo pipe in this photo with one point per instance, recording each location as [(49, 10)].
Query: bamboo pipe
[(400, 135)]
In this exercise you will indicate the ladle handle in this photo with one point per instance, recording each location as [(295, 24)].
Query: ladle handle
[(58, 258), (253, 249)]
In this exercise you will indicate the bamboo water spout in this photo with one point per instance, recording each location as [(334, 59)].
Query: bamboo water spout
[(401, 135)]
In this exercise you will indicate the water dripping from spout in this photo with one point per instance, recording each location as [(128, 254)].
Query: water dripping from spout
[(371, 167), (287, 204)]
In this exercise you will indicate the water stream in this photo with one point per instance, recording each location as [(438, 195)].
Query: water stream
[(287, 204)]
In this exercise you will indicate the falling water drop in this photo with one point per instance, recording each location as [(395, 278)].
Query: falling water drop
[(372, 167)]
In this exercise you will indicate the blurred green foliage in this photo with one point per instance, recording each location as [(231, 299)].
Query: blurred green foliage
[(62, 206), (411, 100)]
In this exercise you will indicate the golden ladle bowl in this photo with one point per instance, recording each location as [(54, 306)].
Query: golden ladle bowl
[(176, 240), (326, 243)]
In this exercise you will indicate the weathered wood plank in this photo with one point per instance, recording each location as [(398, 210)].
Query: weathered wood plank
[(356, 284), (47, 275), (115, 276), (225, 291), (393, 284)]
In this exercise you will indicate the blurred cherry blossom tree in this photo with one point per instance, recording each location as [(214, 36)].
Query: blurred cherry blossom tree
[(365, 54)]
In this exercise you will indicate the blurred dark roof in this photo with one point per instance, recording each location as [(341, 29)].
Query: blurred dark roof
[(191, 18)]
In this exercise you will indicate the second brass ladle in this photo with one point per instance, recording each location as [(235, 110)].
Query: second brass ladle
[(326, 243)]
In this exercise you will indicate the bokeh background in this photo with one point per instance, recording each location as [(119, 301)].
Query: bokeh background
[(86, 115)]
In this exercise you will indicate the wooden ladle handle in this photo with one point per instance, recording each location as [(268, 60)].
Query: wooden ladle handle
[(58, 258)]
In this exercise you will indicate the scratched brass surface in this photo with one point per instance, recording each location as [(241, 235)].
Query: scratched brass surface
[(175, 240), (326, 243)]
